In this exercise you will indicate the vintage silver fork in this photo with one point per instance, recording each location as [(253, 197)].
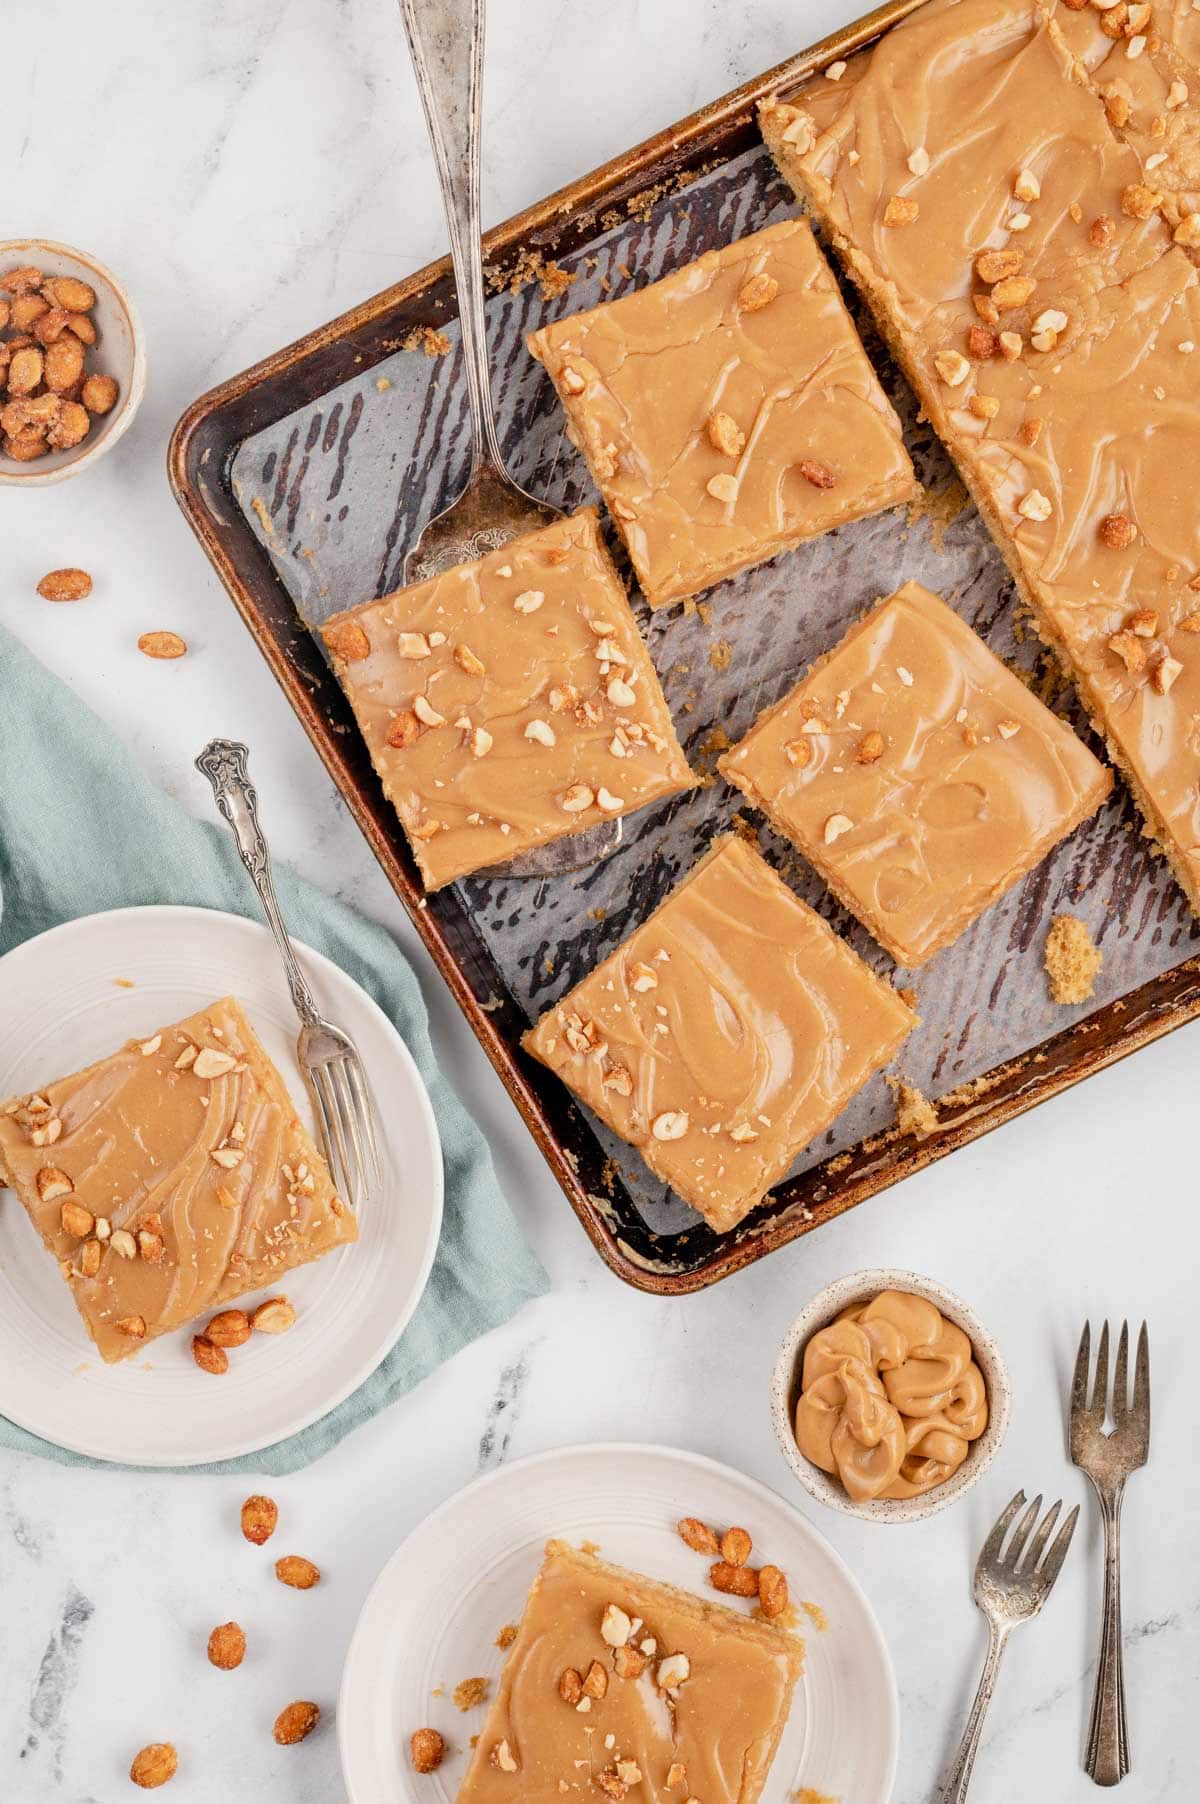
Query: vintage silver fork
[(1011, 1585), (1108, 1459), (445, 38), (328, 1057)]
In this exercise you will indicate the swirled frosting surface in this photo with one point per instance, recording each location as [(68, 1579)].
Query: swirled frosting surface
[(725, 1034), (917, 773), (510, 701), (755, 335), (890, 1398), (212, 1180), (711, 1735), (1066, 391)]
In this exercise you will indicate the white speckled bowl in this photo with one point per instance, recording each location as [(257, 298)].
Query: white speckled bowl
[(859, 1287), (120, 351)]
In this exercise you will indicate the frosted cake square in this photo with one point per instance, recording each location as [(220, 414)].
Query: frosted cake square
[(171, 1178), (509, 702), (622, 1686), (727, 411), (725, 1034), (917, 773)]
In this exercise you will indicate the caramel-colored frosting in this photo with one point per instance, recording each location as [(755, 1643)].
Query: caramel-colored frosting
[(1079, 434), (890, 1398), (509, 702), (917, 773), (170, 1178), (1153, 97), (725, 1034), (705, 1726), (728, 411)]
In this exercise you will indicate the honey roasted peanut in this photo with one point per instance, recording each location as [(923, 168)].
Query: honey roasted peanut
[(297, 1572), (43, 364), (260, 1518), (154, 1765), (427, 1750), (296, 1722), (227, 1646)]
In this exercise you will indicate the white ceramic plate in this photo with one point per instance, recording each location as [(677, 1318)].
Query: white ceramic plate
[(61, 1005), (435, 1611)]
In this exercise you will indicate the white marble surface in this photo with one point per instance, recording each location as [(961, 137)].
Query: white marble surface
[(250, 169)]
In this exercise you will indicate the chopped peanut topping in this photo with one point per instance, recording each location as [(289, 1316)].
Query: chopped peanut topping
[(722, 487), (1035, 506), (1130, 649), (725, 435), (994, 266), (1013, 292), (1164, 673), (758, 292), (672, 1124), (952, 367), (1139, 202), (901, 210)]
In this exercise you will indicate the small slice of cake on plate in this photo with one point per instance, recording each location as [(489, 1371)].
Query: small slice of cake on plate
[(621, 1686), (170, 1178), (509, 702), (728, 411), (917, 773), (728, 1031)]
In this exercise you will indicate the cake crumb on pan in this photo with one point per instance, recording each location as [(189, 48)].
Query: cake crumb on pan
[(1072, 960), (915, 1114)]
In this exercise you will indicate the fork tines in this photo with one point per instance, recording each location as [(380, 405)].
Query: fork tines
[(338, 1088), (1093, 1409), (1025, 1555)]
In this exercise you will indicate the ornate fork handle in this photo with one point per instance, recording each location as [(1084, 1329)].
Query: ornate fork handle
[(1107, 1759), (225, 763), (959, 1778), (446, 41)]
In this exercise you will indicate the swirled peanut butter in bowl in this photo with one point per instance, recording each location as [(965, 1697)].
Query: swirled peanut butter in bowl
[(890, 1398)]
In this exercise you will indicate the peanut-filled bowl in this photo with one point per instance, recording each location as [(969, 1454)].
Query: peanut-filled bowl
[(72, 361)]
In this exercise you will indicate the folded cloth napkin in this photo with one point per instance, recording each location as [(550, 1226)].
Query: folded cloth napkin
[(82, 831)]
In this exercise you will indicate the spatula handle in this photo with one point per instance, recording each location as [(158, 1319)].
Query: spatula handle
[(446, 41)]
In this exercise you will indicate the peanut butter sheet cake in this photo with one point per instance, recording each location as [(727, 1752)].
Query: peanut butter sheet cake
[(621, 1686), (1014, 186), (509, 702), (917, 773), (727, 411), (170, 1178), (725, 1034)]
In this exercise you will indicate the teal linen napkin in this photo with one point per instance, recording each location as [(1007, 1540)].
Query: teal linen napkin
[(82, 831)]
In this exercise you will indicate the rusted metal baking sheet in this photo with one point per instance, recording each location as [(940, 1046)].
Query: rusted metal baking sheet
[(307, 478)]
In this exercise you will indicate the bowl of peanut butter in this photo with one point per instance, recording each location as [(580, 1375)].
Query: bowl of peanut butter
[(889, 1398)]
